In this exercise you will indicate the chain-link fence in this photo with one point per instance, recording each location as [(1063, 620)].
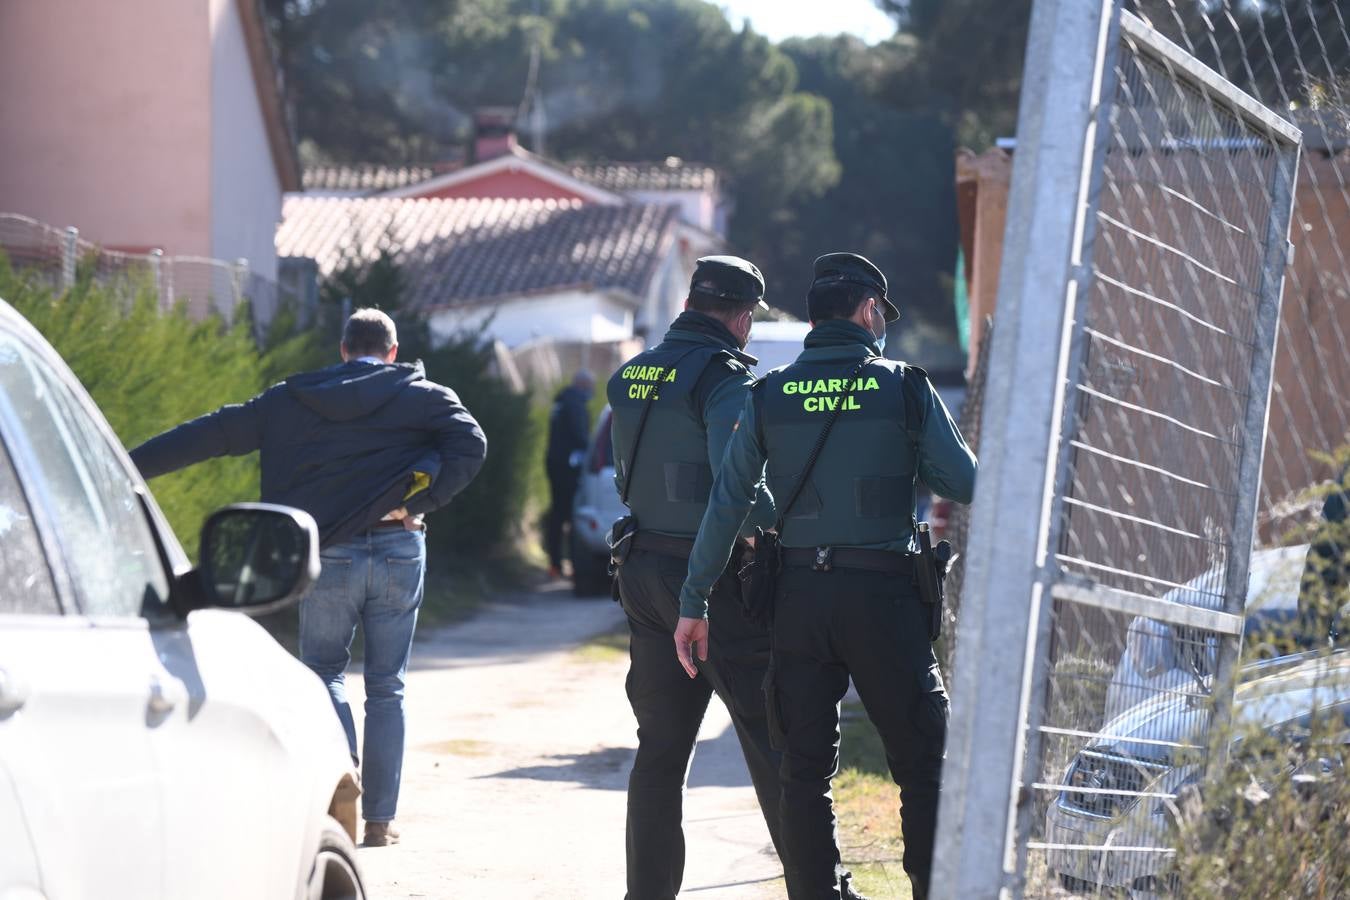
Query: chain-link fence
[(205, 286), (1204, 131), (1154, 501)]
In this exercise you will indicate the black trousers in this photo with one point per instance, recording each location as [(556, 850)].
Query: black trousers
[(828, 627), (562, 490), (669, 707)]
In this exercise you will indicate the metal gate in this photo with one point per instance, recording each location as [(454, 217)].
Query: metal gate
[(1128, 388)]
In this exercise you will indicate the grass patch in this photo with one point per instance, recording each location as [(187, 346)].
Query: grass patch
[(605, 647), (866, 803)]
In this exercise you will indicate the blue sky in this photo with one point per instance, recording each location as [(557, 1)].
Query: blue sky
[(779, 19)]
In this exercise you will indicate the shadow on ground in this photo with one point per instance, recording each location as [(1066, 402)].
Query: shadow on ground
[(604, 768)]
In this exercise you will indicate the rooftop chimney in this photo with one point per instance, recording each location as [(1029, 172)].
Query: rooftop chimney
[(494, 132)]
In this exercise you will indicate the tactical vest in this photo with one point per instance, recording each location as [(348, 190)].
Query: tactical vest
[(671, 477), (861, 489)]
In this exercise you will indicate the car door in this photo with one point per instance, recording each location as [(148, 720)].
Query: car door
[(81, 697)]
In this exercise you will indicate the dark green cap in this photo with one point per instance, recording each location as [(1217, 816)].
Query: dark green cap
[(850, 268), (730, 278)]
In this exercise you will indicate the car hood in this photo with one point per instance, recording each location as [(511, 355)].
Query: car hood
[(1274, 692)]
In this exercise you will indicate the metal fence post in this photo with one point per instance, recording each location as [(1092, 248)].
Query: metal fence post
[(1266, 324), (1065, 51), (240, 279), (70, 251), (158, 274)]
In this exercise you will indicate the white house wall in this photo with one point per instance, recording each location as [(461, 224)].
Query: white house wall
[(570, 316), (245, 189), (698, 208)]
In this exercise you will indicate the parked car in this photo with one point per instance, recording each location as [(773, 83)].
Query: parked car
[(154, 742), (1161, 657), (596, 507), (1125, 781)]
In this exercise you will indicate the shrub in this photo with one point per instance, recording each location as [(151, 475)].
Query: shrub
[(148, 371), (491, 510)]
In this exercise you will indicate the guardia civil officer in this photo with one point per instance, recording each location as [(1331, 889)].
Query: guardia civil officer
[(845, 605), (675, 406)]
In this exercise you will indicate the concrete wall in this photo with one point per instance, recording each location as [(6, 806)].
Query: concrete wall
[(105, 119), (245, 189), (570, 316)]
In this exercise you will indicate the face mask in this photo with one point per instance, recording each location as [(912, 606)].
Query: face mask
[(880, 338)]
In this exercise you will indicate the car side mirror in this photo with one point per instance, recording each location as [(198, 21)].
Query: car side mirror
[(257, 557)]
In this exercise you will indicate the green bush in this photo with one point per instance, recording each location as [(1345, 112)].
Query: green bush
[(490, 512), (148, 371)]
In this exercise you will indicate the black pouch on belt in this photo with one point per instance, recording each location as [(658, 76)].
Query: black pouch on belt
[(758, 575)]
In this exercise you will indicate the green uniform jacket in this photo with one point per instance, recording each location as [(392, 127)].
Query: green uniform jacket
[(714, 417), (944, 463)]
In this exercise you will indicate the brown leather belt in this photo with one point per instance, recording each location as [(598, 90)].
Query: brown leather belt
[(664, 544), (823, 559)]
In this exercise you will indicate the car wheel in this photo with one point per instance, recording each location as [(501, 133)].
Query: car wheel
[(590, 574), (335, 875)]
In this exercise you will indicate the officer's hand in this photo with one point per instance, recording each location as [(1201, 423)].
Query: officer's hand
[(691, 636)]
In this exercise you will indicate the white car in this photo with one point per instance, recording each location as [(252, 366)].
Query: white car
[(1117, 789), (152, 747), (594, 510), (1160, 657)]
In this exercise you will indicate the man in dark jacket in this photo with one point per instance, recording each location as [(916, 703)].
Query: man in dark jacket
[(366, 447), (569, 430)]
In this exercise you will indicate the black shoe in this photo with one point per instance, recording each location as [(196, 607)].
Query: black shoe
[(380, 834), (846, 889)]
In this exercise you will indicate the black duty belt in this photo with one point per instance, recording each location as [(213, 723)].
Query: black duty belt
[(664, 544), (823, 559)]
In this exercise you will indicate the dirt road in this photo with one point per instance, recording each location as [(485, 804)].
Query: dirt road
[(518, 753)]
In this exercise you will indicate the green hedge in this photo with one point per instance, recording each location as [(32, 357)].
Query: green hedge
[(149, 371)]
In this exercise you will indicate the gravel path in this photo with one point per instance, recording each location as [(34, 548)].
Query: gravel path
[(518, 754)]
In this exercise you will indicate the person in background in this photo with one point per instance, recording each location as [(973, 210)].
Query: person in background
[(367, 447), (569, 430)]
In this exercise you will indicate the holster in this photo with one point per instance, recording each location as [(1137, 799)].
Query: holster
[(620, 545), (930, 576), (758, 575)]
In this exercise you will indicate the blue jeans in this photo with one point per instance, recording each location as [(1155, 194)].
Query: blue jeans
[(375, 579)]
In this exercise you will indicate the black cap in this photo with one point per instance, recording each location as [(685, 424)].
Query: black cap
[(730, 278), (850, 268)]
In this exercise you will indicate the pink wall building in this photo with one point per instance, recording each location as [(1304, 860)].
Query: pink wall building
[(145, 123)]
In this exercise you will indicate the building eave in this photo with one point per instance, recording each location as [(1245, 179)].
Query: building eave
[(266, 84), (516, 161)]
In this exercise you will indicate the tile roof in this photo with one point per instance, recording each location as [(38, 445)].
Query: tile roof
[(465, 251), (364, 179), (674, 174)]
